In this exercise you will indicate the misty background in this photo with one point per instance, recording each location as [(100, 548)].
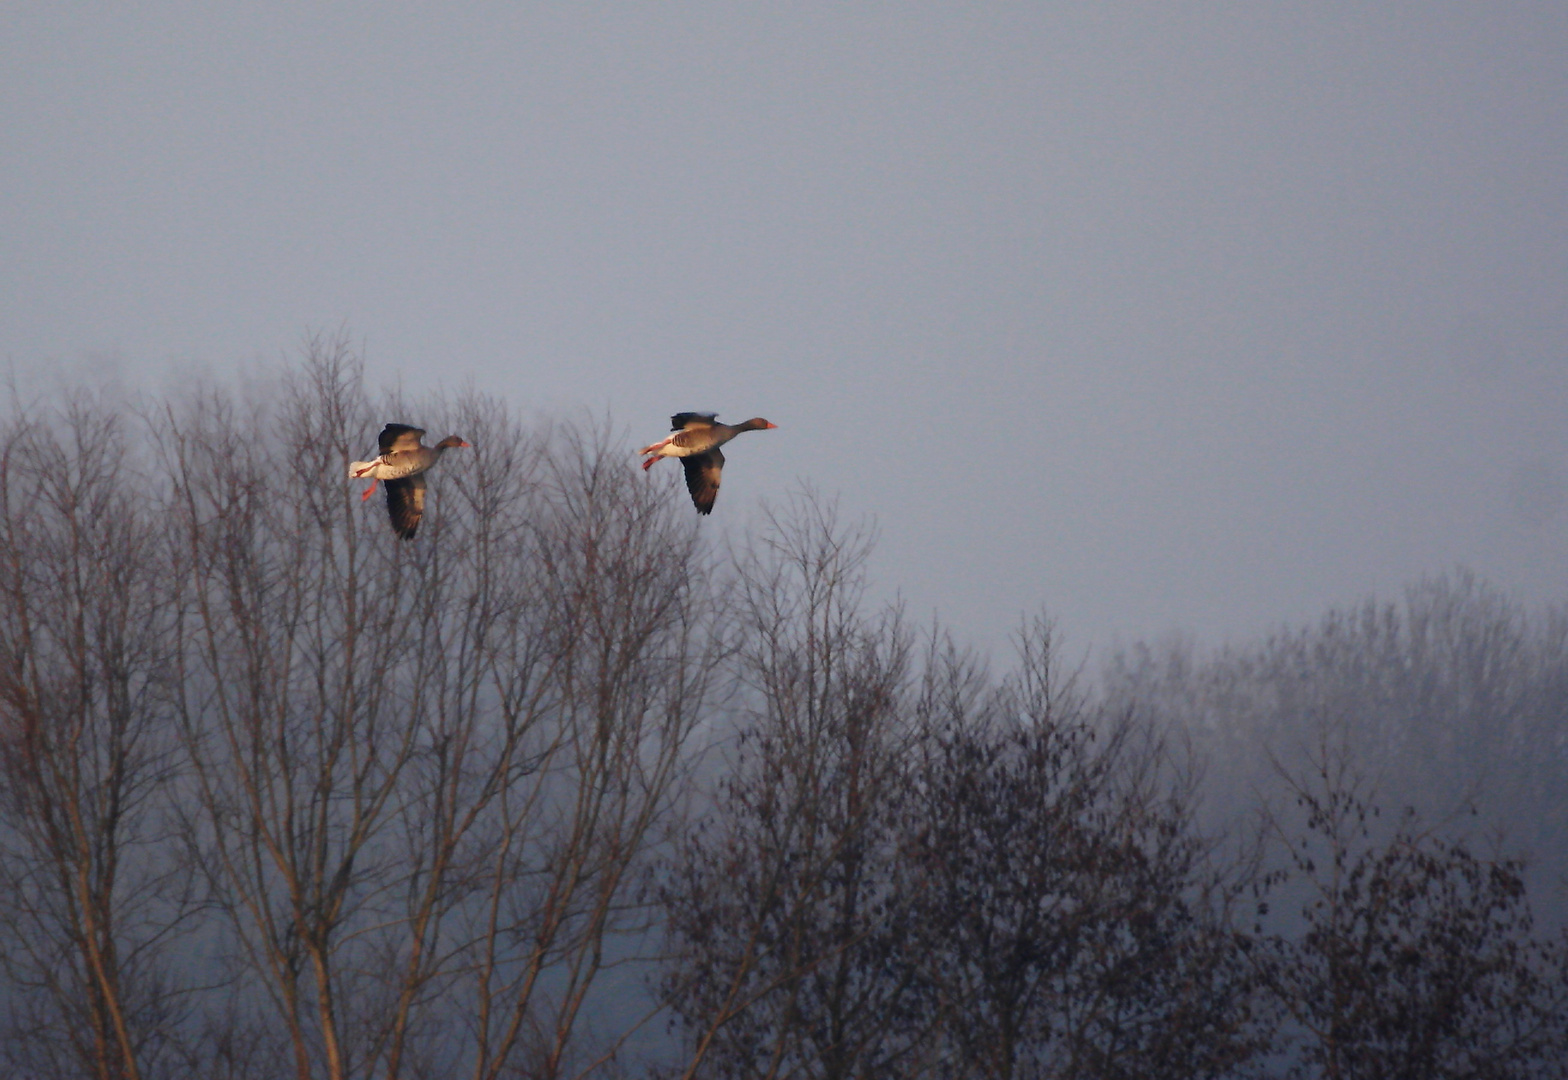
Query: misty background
[(1200, 318), (1231, 337)]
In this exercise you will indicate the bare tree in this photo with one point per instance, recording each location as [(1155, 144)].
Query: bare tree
[(1413, 956), (619, 645), (89, 893), (426, 773), (923, 870), (1069, 923), (782, 905)]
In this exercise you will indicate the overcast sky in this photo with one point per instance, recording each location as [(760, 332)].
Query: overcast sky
[(1199, 316)]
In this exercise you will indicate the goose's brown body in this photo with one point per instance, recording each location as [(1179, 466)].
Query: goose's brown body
[(696, 442), (400, 466)]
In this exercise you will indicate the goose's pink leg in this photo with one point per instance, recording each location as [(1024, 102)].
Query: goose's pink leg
[(649, 463), (368, 491)]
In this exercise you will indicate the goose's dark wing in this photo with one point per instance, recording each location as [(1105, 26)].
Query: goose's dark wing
[(406, 504), (395, 437), (692, 420), (702, 478)]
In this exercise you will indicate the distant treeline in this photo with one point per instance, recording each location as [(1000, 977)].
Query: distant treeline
[(562, 789)]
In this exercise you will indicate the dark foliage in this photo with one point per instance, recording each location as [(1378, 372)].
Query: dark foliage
[(1414, 958)]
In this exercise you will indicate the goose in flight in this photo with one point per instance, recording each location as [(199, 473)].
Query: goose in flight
[(696, 442), (400, 466)]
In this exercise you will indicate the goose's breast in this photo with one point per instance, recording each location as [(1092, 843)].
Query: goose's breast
[(403, 463)]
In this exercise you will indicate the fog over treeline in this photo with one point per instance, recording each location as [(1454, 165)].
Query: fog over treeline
[(563, 788)]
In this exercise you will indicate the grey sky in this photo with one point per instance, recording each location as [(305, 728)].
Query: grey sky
[(1161, 315)]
